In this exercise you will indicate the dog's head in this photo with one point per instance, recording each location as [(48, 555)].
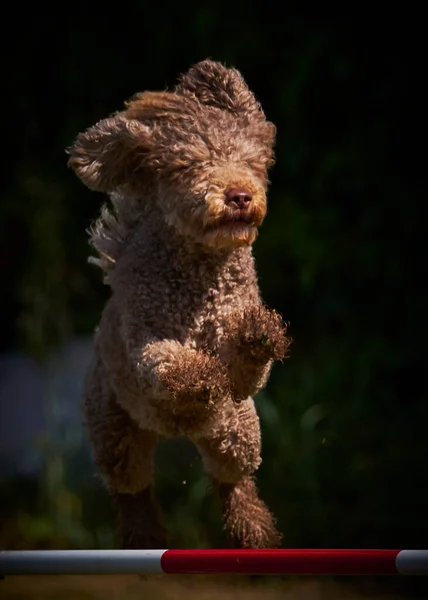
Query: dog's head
[(205, 147)]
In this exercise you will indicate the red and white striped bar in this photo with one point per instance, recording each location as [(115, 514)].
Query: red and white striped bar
[(255, 562)]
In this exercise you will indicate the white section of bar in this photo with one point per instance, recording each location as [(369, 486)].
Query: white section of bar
[(412, 562), (74, 562)]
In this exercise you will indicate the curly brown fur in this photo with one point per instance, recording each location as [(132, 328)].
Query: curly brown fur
[(254, 336), (196, 379), (247, 520), (259, 332), (184, 340)]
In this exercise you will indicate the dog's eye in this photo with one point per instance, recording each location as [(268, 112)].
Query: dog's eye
[(258, 169)]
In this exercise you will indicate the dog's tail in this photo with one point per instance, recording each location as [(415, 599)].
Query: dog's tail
[(110, 231)]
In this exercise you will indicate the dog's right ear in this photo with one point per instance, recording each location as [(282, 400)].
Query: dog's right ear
[(106, 155), (213, 84)]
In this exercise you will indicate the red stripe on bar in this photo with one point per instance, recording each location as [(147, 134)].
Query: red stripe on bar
[(277, 562)]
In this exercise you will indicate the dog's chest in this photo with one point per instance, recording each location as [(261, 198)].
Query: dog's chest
[(230, 292)]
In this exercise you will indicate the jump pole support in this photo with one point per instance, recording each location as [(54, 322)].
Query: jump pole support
[(255, 562)]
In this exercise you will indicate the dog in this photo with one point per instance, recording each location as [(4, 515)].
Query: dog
[(185, 341)]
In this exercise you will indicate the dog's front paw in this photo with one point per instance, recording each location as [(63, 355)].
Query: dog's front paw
[(258, 332), (197, 378)]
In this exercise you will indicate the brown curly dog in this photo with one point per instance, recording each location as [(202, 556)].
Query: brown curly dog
[(184, 341)]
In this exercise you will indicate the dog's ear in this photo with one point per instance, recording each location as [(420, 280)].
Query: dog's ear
[(216, 85), (107, 154)]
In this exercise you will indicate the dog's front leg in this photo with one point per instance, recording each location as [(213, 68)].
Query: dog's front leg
[(182, 380), (252, 340), (174, 379)]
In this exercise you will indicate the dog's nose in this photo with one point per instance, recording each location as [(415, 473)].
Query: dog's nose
[(238, 198)]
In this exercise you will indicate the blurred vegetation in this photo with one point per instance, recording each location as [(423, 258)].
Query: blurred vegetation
[(341, 255)]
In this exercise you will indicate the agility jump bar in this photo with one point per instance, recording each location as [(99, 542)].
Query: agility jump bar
[(255, 562)]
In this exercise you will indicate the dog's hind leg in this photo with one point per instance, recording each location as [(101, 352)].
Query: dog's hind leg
[(124, 455), (232, 455)]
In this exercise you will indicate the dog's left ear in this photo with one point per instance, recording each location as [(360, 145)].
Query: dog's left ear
[(107, 154), (216, 85)]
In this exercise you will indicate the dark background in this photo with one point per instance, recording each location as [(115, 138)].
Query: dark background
[(341, 254)]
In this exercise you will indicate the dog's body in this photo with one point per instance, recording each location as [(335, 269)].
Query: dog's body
[(184, 341)]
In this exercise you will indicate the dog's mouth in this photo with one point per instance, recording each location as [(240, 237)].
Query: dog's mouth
[(230, 226), (238, 217), (233, 219)]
